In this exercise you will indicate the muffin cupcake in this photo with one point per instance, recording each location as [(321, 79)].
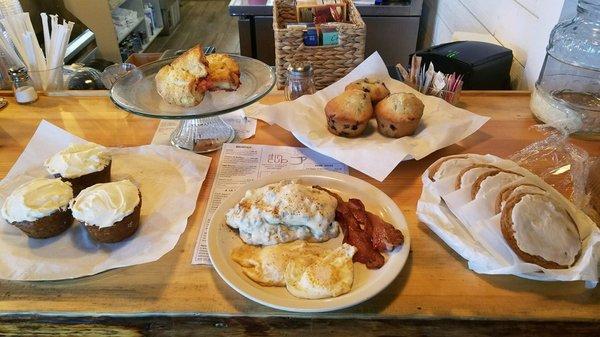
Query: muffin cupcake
[(40, 207), (398, 115), (82, 165), (110, 212), (348, 114), (376, 89)]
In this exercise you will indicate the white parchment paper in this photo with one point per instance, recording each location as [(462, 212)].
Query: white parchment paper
[(169, 180), (468, 230), (373, 154)]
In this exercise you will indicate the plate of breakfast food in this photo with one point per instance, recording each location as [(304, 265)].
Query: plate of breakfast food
[(193, 85), (506, 220), (308, 241)]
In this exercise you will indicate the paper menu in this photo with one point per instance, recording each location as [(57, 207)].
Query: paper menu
[(240, 164)]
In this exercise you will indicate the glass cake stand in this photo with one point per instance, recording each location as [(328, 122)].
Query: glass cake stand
[(201, 129)]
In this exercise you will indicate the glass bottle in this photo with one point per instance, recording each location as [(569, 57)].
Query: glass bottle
[(567, 93), (22, 85), (299, 81)]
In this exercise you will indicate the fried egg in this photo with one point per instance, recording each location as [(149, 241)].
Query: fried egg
[(266, 265), (330, 275)]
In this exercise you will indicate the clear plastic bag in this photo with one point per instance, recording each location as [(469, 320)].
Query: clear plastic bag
[(568, 168)]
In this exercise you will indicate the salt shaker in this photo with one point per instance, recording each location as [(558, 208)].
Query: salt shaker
[(299, 81), (22, 85)]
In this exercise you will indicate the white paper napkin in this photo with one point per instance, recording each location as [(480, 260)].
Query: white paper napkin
[(373, 154), (169, 180)]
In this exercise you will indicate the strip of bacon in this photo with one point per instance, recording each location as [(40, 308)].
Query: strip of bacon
[(384, 236), (366, 231)]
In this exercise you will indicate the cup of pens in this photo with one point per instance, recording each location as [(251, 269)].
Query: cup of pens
[(429, 82)]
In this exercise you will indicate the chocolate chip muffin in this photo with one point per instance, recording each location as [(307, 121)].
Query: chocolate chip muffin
[(349, 113), (398, 115), (376, 89)]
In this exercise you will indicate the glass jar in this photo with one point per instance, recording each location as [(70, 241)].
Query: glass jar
[(299, 81), (567, 93), (22, 85)]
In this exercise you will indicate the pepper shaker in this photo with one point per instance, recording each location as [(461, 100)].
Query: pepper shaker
[(22, 85), (299, 81)]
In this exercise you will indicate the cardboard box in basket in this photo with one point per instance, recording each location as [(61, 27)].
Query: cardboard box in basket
[(330, 63)]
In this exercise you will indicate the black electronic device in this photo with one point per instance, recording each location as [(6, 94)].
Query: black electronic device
[(485, 66)]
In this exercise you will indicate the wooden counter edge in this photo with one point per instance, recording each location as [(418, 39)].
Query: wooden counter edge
[(213, 325)]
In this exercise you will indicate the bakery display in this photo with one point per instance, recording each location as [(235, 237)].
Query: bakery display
[(349, 113), (82, 165), (398, 115), (186, 80), (39, 207), (375, 88), (511, 218), (283, 212), (110, 212)]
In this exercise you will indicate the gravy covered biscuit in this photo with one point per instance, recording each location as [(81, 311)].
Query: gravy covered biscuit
[(349, 113), (540, 231), (399, 115), (283, 212), (39, 207), (376, 89)]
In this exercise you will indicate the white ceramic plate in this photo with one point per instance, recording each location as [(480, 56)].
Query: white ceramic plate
[(367, 283)]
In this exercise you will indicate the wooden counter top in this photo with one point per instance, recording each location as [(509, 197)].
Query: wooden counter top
[(434, 292)]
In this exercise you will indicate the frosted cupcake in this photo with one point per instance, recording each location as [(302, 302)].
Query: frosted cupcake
[(110, 212), (39, 207), (82, 165)]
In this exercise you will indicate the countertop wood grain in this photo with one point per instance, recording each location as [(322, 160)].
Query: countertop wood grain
[(434, 284)]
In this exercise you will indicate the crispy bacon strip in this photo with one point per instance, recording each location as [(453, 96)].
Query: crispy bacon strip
[(384, 236), (365, 231)]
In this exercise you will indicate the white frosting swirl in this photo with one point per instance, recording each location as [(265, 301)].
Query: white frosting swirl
[(544, 229), (77, 160), (36, 199), (104, 204)]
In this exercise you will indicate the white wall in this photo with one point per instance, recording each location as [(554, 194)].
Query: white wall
[(521, 25)]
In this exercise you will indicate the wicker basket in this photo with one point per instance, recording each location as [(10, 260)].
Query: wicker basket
[(330, 63)]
